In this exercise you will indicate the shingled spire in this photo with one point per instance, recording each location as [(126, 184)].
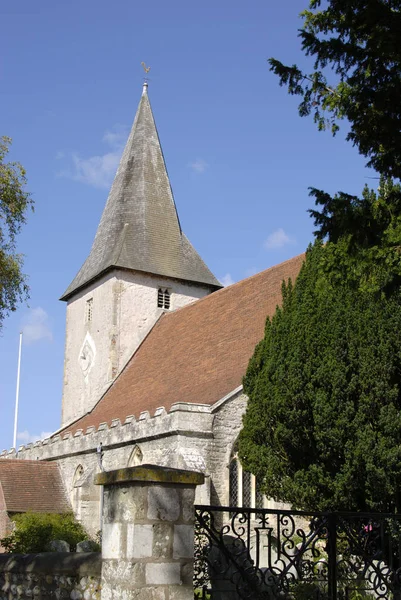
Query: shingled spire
[(139, 229)]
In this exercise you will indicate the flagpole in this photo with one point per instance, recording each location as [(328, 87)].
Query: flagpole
[(17, 393)]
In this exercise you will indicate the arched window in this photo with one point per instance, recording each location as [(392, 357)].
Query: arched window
[(79, 471), (136, 457), (243, 486), (76, 491), (233, 482), (163, 298)]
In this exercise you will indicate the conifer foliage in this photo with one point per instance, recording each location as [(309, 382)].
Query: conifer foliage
[(323, 424), (355, 45), (322, 429)]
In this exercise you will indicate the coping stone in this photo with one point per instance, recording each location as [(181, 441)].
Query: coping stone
[(150, 474)]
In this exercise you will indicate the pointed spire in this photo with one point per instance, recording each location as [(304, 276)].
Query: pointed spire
[(139, 229)]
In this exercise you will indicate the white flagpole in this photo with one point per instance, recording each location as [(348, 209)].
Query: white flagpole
[(17, 393)]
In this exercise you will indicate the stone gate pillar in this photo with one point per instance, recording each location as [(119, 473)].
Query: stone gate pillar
[(148, 531)]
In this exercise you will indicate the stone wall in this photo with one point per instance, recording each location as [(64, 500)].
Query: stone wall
[(178, 439), (50, 575), (124, 309), (196, 437), (148, 533), (226, 427)]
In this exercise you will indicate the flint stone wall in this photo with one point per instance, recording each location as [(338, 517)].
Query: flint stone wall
[(50, 575)]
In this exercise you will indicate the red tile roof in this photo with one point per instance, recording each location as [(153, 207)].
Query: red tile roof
[(198, 353), (32, 485)]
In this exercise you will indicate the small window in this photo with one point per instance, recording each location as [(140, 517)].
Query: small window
[(244, 489), (89, 310), (259, 496), (79, 471), (76, 491), (163, 298), (166, 299), (233, 482), (136, 457)]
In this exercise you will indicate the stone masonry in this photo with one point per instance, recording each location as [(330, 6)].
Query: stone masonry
[(50, 575), (148, 533), (96, 350), (189, 436)]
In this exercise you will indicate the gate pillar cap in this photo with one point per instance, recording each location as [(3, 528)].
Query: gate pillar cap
[(150, 474)]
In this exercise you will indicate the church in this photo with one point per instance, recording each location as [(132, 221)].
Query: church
[(155, 351)]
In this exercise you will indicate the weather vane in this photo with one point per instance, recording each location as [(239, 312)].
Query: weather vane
[(146, 69)]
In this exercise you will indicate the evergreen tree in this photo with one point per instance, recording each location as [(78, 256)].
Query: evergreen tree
[(323, 425), (357, 75)]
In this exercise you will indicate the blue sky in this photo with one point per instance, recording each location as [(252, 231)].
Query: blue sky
[(239, 157)]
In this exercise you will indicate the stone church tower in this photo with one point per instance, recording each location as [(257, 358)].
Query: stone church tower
[(140, 265)]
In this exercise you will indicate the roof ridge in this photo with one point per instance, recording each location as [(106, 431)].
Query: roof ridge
[(231, 286)]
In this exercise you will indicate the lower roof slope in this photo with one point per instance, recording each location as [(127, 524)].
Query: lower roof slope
[(198, 353), (32, 485)]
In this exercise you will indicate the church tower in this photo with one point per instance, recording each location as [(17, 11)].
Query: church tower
[(140, 265)]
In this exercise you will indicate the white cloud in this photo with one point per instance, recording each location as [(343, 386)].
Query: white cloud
[(117, 137), (278, 239), (99, 170), (227, 280), (26, 438), (199, 165), (36, 326)]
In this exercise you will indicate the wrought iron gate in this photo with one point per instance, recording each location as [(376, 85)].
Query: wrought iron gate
[(261, 554)]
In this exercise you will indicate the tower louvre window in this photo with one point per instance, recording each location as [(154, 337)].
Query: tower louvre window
[(163, 298), (166, 299), (89, 310)]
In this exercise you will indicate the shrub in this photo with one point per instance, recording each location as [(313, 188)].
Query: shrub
[(34, 531)]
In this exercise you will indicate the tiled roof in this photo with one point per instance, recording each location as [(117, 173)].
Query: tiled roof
[(32, 485), (198, 353), (139, 229)]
